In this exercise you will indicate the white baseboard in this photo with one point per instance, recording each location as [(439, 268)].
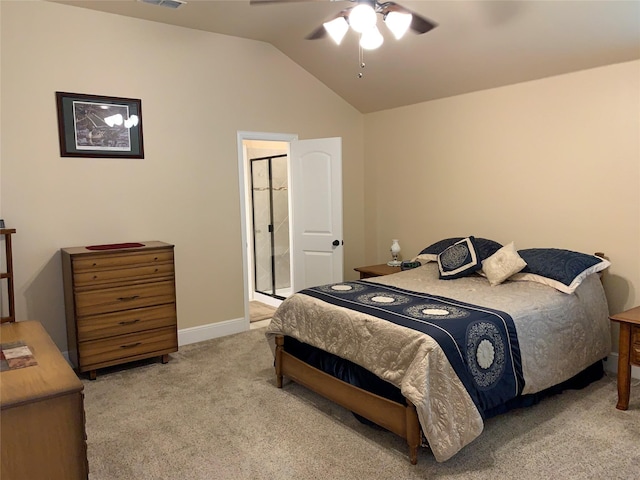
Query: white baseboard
[(611, 365), (212, 330)]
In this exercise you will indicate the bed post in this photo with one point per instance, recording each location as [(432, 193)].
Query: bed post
[(413, 432), (279, 350)]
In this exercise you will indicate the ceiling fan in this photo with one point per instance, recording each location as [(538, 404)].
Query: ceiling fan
[(362, 18)]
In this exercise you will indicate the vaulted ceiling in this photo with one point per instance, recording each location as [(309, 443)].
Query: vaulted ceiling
[(478, 44)]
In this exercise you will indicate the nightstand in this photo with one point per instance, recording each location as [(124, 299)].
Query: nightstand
[(376, 270), (628, 352)]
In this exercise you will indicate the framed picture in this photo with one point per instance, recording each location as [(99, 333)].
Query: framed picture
[(99, 127)]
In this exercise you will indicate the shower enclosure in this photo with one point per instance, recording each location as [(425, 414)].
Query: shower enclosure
[(270, 208)]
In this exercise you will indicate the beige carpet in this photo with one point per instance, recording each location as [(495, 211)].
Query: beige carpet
[(260, 311), (214, 412)]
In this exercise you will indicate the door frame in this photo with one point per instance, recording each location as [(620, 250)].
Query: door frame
[(243, 186)]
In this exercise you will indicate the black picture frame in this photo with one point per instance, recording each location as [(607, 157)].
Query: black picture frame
[(97, 126)]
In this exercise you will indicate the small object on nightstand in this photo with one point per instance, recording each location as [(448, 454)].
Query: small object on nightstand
[(628, 352), (395, 251), (409, 265)]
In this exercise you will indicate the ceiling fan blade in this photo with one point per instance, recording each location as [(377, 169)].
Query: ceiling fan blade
[(419, 24), (319, 32)]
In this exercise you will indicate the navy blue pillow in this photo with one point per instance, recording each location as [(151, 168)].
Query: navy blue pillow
[(565, 268), (484, 247), (440, 246), (487, 247), (459, 260)]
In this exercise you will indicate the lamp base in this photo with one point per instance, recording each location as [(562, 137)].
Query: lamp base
[(394, 263)]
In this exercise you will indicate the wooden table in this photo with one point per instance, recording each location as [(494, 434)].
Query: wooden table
[(41, 412), (376, 270), (628, 352)]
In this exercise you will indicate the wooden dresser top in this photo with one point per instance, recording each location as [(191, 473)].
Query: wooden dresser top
[(51, 377), (145, 246), (629, 316)]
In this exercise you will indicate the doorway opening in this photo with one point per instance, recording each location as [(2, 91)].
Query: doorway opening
[(314, 254), (266, 254)]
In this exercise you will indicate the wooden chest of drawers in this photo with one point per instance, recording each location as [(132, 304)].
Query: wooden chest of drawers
[(41, 412), (120, 304)]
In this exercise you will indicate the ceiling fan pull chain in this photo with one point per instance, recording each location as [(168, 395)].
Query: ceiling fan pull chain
[(361, 61)]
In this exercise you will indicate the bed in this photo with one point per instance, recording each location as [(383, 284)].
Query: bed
[(431, 352)]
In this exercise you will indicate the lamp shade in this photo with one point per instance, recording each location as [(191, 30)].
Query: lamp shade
[(362, 17), (337, 29), (398, 23), (371, 39)]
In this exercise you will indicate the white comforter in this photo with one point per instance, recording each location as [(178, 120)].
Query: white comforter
[(559, 336)]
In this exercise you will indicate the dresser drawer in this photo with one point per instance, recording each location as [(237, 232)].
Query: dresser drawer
[(131, 274), (98, 353), (635, 346), (110, 261), (128, 321), (124, 298)]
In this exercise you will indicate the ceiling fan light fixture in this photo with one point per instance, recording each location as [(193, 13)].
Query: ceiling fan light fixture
[(398, 23), (362, 17), (371, 39), (337, 29)]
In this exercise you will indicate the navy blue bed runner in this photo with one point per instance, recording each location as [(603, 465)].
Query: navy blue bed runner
[(480, 343)]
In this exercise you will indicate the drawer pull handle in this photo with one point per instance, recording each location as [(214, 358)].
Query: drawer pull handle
[(131, 345), (126, 299), (130, 322)]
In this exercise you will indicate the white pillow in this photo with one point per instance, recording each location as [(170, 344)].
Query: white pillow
[(502, 264)]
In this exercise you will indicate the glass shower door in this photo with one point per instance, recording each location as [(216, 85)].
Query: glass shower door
[(269, 179)]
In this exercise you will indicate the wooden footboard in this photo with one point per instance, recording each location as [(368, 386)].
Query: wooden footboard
[(395, 417)]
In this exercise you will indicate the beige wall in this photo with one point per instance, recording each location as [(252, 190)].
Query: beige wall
[(548, 163), (554, 162), (198, 90)]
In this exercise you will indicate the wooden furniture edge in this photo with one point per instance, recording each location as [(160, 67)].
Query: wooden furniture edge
[(8, 276), (395, 417), (627, 320)]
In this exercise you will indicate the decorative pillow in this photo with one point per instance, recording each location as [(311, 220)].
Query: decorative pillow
[(430, 254), (502, 264), (459, 259), (561, 269), (485, 248)]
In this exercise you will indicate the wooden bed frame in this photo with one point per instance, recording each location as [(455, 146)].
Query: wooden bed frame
[(395, 417)]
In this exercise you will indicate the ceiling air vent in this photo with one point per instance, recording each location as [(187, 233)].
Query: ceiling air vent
[(165, 3)]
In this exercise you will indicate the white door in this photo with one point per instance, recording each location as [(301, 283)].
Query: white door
[(316, 199)]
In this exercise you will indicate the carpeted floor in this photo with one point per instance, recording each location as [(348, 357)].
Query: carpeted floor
[(214, 412), (260, 311)]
